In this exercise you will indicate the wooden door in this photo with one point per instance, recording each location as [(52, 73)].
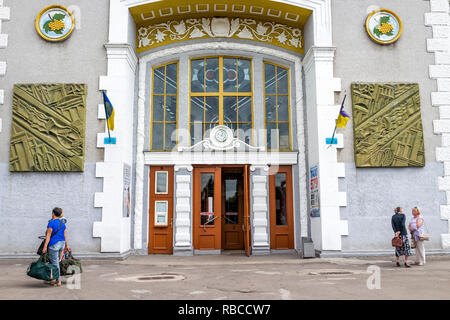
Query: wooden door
[(281, 216), (207, 208), (161, 211), (247, 210), (232, 209)]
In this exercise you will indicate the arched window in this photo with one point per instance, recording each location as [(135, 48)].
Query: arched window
[(164, 107), (220, 94)]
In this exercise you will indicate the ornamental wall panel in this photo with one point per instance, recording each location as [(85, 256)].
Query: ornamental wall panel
[(387, 125), (48, 127)]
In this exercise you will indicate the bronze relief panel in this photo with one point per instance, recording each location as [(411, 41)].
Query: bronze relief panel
[(48, 127), (387, 125)]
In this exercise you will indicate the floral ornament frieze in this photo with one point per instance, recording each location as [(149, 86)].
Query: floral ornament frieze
[(181, 30)]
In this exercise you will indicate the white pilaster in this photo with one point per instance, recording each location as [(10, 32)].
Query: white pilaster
[(114, 229), (322, 113), (5, 15), (438, 19)]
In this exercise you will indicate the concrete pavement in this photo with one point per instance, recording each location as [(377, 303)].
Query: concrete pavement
[(235, 276)]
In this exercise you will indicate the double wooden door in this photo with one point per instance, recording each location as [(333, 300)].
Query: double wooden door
[(221, 208)]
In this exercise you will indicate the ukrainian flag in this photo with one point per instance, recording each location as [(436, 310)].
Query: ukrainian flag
[(341, 121), (109, 110)]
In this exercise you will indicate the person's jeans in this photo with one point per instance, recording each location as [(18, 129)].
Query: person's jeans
[(53, 254)]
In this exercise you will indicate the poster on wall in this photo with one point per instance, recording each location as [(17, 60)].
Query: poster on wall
[(126, 190), (314, 185)]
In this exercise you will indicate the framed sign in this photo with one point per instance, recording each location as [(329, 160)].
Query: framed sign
[(384, 26), (55, 23), (126, 190), (314, 185)]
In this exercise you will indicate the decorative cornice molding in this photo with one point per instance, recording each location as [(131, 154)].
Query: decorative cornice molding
[(122, 51)]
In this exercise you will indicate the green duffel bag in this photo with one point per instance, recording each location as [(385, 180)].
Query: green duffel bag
[(69, 265), (42, 269)]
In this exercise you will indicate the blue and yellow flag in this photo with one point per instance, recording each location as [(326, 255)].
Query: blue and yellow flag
[(109, 111), (342, 119)]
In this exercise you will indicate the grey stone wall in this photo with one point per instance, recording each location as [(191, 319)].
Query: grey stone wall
[(373, 193), (26, 199)]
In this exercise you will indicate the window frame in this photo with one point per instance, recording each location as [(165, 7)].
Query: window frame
[(152, 95), (221, 94), (288, 95)]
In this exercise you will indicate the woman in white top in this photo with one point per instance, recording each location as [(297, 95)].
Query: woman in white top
[(416, 229)]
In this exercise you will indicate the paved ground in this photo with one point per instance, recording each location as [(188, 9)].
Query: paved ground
[(275, 277)]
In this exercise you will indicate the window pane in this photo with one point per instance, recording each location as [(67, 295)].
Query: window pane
[(283, 108), (269, 76), (171, 78), (284, 135), (282, 80), (280, 197), (229, 75), (230, 109), (245, 109), (208, 128), (171, 108), (231, 201), (245, 132), (158, 80), (212, 75), (170, 136), (212, 109), (271, 111), (272, 136), (232, 126), (157, 136), (197, 109), (244, 75), (158, 108), (161, 182), (207, 199), (196, 132), (197, 75)]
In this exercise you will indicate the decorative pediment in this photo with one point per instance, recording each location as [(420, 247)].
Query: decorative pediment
[(164, 22)]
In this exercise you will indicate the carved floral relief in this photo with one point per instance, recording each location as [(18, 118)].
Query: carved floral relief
[(250, 29)]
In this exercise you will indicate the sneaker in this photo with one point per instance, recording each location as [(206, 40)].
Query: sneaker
[(407, 265), (398, 264)]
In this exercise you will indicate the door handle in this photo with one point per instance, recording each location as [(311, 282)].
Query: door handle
[(171, 223)]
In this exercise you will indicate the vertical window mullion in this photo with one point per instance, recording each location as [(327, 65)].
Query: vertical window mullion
[(164, 108)]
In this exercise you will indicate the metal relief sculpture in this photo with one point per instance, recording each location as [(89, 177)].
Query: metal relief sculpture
[(48, 127), (387, 125)]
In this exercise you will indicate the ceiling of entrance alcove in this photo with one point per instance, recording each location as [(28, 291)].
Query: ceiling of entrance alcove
[(272, 22)]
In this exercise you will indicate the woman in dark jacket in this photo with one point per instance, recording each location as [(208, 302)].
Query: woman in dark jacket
[(398, 224)]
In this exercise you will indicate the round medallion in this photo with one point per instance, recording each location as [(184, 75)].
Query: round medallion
[(384, 26), (55, 23), (221, 135)]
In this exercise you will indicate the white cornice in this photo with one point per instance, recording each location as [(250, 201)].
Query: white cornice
[(122, 51)]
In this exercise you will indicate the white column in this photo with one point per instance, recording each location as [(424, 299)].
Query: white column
[(438, 20), (114, 229), (183, 211), (260, 210), (322, 113)]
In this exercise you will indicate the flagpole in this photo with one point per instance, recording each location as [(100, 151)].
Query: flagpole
[(335, 126), (107, 116)]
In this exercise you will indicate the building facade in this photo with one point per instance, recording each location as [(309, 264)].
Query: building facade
[(224, 114)]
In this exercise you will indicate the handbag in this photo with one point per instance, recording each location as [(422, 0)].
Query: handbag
[(69, 265), (42, 269), (413, 242), (41, 247), (397, 242), (424, 236)]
